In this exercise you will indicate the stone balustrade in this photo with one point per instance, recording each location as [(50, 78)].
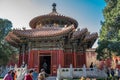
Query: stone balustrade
[(21, 72), (71, 72), (5, 70)]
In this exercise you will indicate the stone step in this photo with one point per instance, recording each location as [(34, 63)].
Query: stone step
[(51, 78)]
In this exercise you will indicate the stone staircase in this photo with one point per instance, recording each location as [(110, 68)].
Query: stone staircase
[(51, 78)]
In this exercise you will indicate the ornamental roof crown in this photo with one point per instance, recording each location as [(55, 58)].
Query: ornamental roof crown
[(52, 19)]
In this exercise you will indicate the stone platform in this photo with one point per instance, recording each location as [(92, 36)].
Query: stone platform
[(51, 78)]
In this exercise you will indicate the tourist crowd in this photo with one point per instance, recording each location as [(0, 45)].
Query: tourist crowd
[(31, 75)]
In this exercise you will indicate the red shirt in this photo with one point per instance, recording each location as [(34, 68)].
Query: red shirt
[(8, 77), (28, 77)]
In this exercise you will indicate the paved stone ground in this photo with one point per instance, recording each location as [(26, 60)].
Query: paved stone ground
[(51, 78)]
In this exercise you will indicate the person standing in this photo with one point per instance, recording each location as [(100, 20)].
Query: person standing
[(29, 76), (108, 72), (15, 75), (118, 74), (35, 74), (12, 74), (45, 65), (8, 76), (91, 66), (42, 75), (112, 73)]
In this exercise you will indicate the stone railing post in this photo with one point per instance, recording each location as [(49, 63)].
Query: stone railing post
[(84, 71), (95, 73), (71, 71), (25, 69), (58, 72), (15, 66), (10, 68), (6, 68)]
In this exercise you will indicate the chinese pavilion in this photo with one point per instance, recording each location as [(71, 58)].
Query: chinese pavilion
[(54, 38)]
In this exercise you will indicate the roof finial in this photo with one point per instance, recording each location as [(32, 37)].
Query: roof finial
[(54, 7)]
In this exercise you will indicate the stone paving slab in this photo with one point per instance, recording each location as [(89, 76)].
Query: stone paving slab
[(51, 78)]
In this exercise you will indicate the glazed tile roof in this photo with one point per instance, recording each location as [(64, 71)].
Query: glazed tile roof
[(10, 41), (14, 37), (53, 16), (90, 37), (43, 32), (79, 33)]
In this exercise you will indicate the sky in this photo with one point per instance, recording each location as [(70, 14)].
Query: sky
[(88, 13)]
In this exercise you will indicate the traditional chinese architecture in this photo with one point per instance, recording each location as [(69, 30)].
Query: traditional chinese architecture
[(54, 39)]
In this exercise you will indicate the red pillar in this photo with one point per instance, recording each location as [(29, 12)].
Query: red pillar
[(74, 59), (61, 58)]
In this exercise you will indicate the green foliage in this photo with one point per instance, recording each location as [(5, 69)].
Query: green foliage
[(5, 49), (109, 40), (5, 27)]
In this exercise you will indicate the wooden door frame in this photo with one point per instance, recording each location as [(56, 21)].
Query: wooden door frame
[(45, 54)]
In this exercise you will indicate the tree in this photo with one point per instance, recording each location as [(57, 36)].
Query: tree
[(109, 40), (5, 49)]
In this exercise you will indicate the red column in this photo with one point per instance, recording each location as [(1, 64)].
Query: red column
[(61, 58), (20, 60), (74, 59), (30, 60)]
